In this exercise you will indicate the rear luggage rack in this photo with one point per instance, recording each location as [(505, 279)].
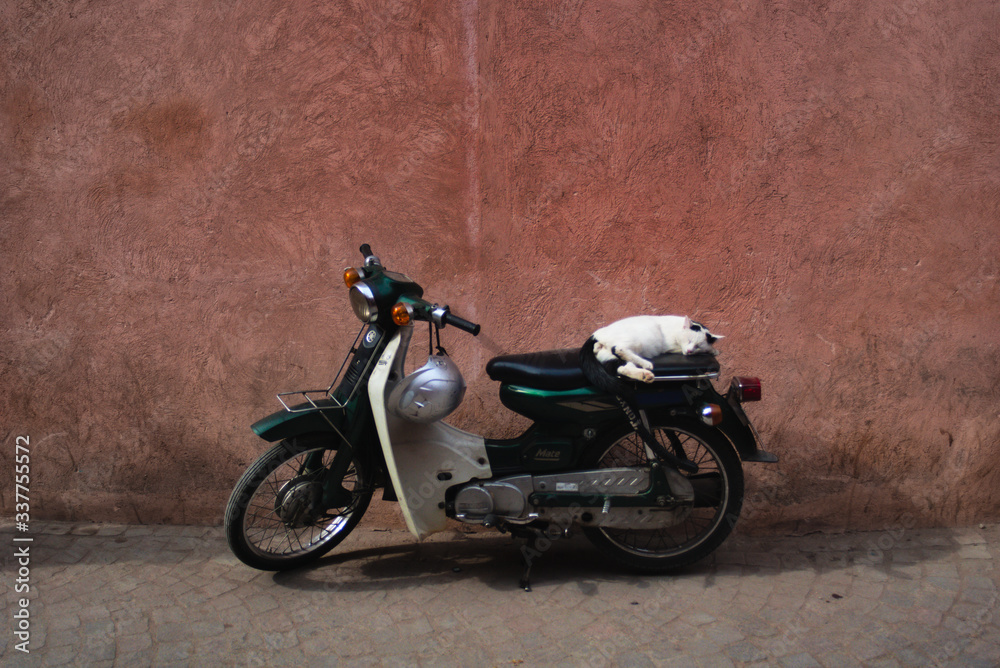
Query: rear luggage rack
[(675, 367), (693, 376)]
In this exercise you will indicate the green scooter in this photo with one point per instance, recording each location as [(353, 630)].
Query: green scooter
[(654, 480)]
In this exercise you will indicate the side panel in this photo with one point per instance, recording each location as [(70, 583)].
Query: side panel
[(736, 430), (423, 460), (544, 447), (585, 405), (588, 406)]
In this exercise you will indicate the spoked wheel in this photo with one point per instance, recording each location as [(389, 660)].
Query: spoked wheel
[(276, 517), (718, 498)]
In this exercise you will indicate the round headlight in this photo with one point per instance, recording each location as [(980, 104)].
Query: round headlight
[(363, 302)]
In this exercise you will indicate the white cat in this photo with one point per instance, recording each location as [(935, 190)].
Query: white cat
[(634, 341)]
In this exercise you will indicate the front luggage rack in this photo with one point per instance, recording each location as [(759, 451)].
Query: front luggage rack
[(310, 404), (324, 399)]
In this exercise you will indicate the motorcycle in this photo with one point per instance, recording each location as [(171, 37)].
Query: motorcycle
[(654, 480)]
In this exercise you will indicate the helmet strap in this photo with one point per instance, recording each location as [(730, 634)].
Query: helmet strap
[(434, 334), (440, 348)]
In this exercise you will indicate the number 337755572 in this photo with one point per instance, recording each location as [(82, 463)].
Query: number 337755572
[(22, 470)]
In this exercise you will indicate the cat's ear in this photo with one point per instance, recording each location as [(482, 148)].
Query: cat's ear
[(712, 338), (687, 322)]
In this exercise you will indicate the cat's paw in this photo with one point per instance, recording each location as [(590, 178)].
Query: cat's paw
[(635, 373), (645, 364)]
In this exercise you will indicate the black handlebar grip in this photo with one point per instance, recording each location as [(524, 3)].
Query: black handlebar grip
[(461, 323), (366, 250)]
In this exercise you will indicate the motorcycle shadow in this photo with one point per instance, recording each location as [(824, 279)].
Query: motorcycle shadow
[(393, 560), (455, 557)]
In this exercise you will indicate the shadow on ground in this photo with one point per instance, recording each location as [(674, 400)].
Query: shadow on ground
[(371, 559), (496, 561)]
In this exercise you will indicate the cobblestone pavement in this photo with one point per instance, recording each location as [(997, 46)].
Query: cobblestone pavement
[(103, 595)]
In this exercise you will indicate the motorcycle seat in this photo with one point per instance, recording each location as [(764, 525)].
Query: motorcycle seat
[(544, 370), (560, 369)]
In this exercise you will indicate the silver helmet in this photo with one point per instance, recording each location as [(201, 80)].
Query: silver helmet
[(430, 393)]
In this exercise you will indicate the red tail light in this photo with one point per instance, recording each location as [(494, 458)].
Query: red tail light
[(746, 389)]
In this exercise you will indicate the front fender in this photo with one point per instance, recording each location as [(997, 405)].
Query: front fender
[(289, 423)]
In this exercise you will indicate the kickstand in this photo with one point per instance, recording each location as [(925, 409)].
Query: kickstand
[(525, 582), (529, 552)]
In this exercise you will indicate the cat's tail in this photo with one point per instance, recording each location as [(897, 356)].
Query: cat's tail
[(604, 376)]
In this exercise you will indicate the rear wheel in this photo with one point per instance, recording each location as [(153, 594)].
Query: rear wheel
[(276, 518), (718, 489)]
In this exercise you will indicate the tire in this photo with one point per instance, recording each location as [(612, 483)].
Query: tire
[(278, 484), (718, 487)]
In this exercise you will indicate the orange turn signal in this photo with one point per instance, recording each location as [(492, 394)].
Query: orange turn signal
[(402, 314), (351, 276), (711, 414)]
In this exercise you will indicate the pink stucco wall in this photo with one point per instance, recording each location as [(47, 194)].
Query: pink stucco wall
[(181, 184)]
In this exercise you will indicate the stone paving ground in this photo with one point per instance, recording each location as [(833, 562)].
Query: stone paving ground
[(112, 595)]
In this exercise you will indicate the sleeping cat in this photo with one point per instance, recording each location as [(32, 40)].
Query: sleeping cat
[(633, 341)]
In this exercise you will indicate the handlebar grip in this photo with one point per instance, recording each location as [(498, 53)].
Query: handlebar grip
[(461, 323), (366, 250)]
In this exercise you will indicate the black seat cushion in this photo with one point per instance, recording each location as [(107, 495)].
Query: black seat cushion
[(675, 364), (560, 369), (545, 370)]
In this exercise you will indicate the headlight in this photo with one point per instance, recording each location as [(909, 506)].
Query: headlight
[(363, 302)]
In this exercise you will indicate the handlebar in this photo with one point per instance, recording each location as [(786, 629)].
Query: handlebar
[(440, 315), (460, 323), (371, 260)]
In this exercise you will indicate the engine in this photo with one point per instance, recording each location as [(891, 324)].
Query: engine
[(580, 497)]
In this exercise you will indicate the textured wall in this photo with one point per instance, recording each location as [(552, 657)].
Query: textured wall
[(183, 182), (818, 181)]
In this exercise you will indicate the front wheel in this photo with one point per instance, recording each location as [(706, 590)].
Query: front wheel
[(283, 513), (718, 489)]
